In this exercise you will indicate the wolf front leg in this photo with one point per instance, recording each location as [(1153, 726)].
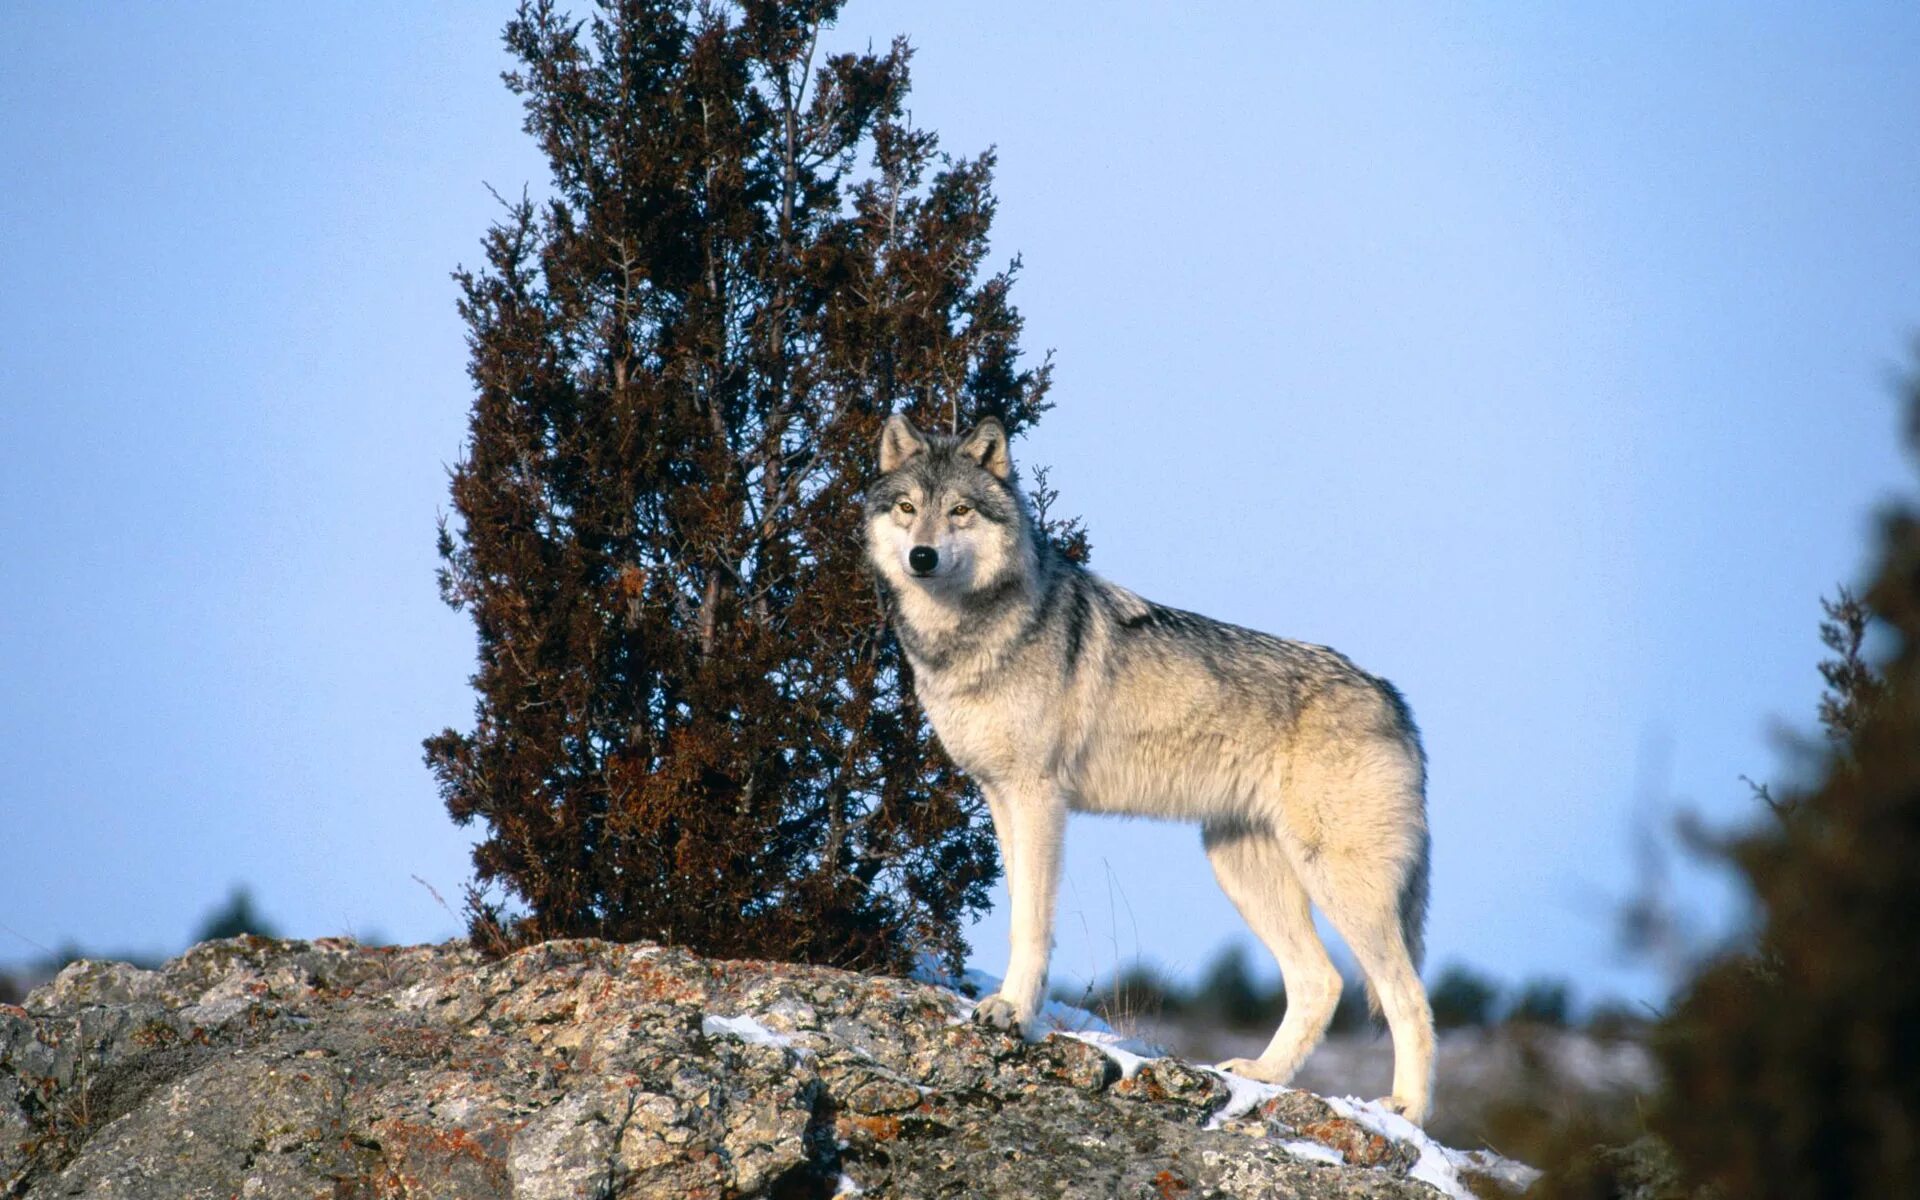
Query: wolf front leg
[(1031, 822)]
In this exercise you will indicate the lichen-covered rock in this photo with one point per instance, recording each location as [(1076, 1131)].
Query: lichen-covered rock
[(257, 1068)]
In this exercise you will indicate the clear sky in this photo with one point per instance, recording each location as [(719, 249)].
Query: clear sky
[(1540, 360)]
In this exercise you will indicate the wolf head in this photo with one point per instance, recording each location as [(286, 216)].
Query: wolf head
[(945, 517)]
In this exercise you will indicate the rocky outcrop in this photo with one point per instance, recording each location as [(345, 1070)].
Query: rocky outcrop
[(256, 1068)]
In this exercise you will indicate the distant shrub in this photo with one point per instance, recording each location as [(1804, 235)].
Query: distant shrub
[(1462, 997), (1228, 993), (1542, 1002), (236, 916), (1612, 1019), (1138, 992), (1354, 1011)]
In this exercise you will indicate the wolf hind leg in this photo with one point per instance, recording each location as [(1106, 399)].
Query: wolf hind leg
[(1360, 889), (1254, 871)]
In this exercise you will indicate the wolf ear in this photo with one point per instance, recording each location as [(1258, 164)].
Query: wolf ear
[(899, 441), (987, 445)]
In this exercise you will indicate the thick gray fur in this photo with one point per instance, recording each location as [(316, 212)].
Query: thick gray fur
[(1057, 690)]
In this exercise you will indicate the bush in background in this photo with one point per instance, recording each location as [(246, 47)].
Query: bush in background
[(1462, 997), (236, 916), (1795, 1071), (1546, 1002)]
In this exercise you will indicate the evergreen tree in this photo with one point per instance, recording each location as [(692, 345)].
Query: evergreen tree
[(692, 725), (233, 918), (1795, 1072)]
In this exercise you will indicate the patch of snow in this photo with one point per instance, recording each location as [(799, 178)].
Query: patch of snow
[(978, 984), (1068, 1020), (968, 988), (1056, 1016), (928, 968), (1243, 1096), (1515, 1175), (1314, 1152), (970, 984), (1438, 1165), (749, 1030), (847, 1186), (1130, 1053)]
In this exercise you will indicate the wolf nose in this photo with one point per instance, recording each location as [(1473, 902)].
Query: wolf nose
[(923, 559)]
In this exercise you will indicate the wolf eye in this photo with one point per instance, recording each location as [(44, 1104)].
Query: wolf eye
[(961, 510), (905, 507)]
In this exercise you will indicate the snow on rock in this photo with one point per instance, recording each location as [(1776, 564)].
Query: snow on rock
[(748, 1030), (847, 1185), (1243, 1096), (1431, 1163), (1437, 1165), (1313, 1151), (1516, 1177), (1056, 1016)]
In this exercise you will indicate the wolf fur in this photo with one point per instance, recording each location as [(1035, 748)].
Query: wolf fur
[(1058, 691)]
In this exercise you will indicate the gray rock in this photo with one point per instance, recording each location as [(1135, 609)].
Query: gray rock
[(259, 1068)]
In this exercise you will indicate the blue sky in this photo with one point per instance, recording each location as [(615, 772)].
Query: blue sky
[(1540, 360)]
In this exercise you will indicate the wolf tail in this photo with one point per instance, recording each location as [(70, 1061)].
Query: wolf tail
[(1413, 914)]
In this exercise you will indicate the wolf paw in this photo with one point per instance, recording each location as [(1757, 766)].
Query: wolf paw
[(1252, 1068), (999, 1012), (1406, 1108)]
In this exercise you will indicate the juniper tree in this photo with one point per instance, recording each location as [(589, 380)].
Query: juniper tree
[(691, 723), (1796, 1072)]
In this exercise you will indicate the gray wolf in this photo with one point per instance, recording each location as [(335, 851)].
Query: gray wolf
[(1058, 691)]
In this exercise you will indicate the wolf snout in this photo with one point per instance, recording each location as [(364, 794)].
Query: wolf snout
[(923, 559)]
